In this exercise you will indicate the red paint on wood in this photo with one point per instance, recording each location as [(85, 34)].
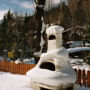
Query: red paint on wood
[(79, 77), (84, 77), (88, 78)]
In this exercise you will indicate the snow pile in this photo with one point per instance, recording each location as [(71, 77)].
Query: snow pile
[(82, 66), (31, 61), (37, 54), (18, 61)]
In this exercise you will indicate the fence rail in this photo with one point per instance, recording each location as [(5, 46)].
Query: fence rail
[(83, 77)]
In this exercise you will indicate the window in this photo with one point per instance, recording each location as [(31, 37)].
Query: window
[(80, 54), (76, 55), (52, 37), (48, 65)]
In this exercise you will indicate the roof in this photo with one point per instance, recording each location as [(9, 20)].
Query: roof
[(72, 50), (78, 44)]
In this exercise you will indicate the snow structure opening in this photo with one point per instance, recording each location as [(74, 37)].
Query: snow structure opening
[(54, 35), (53, 71), (48, 65)]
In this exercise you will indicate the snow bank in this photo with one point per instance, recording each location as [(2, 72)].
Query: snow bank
[(83, 66), (31, 61), (9, 81)]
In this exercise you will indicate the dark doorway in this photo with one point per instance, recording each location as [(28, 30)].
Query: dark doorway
[(52, 37), (48, 65), (44, 89)]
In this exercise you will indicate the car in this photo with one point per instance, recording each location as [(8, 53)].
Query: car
[(79, 54)]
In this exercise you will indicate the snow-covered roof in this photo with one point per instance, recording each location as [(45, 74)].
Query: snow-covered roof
[(78, 44), (71, 50), (54, 29)]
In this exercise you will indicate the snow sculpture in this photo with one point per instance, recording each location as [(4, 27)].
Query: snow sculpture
[(54, 34), (53, 71)]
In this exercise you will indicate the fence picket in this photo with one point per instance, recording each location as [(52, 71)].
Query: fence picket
[(84, 77), (88, 78), (79, 77)]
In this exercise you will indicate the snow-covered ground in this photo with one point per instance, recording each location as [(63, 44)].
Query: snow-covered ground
[(82, 66), (10, 81)]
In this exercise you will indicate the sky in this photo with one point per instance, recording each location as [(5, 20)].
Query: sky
[(20, 6)]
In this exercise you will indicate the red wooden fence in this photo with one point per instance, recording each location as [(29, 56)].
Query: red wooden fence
[(20, 68), (83, 77)]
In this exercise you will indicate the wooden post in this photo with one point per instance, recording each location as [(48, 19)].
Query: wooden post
[(0, 65), (88, 78), (79, 77), (76, 74), (18, 68), (84, 77)]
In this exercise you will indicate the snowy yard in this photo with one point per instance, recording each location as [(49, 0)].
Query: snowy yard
[(10, 81)]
